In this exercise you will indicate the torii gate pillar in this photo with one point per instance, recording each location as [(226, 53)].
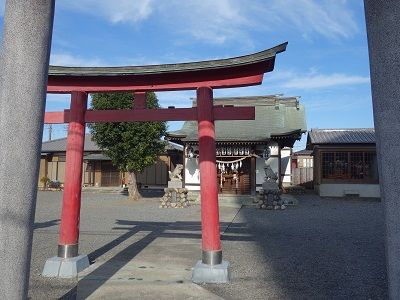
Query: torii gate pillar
[(383, 28), (70, 215), (211, 269), (24, 65), (68, 263)]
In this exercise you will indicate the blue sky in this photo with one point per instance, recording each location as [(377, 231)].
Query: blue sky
[(326, 62)]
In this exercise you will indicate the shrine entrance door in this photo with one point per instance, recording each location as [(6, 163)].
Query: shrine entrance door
[(235, 182)]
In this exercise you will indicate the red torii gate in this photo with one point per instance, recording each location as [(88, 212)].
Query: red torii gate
[(200, 76)]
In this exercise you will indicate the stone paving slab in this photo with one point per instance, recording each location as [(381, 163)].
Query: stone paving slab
[(172, 291)]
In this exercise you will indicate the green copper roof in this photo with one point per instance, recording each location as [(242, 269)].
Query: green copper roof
[(275, 116)]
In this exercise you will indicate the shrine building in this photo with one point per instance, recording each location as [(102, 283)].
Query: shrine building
[(242, 146), (345, 162)]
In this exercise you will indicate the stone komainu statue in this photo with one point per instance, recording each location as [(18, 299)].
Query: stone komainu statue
[(175, 175), (270, 176)]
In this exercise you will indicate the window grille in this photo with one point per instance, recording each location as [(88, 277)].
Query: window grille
[(351, 166)]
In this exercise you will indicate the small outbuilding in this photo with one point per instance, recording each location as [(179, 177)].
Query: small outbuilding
[(345, 162), (98, 170)]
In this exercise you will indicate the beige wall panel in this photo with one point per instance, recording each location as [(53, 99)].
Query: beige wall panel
[(53, 170), (97, 174), (61, 171), (42, 170)]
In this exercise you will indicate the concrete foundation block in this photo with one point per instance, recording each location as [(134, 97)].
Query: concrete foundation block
[(65, 267), (203, 273)]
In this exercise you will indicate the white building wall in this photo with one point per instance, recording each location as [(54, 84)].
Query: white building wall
[(192, 172), (286, 171), (341, 190)]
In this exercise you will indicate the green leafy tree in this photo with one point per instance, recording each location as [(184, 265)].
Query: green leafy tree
[(131, 146)]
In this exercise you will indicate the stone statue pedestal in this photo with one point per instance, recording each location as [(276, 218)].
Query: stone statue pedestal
[(174, 197), (174, 184), (270, 186)]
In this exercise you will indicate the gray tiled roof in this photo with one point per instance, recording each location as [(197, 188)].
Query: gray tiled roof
[(342, 136), (303, 152), (275, 115), (60, 145)]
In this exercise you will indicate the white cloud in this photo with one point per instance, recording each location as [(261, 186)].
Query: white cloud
[(114, 11), (63, 59), (210, 21), (332, 19), (222, 21), (320, 81), (312, 80)]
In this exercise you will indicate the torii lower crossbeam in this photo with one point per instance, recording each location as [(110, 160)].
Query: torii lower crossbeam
[(141, 115)]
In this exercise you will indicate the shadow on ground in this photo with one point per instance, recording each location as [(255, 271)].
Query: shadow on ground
[(170, 230), (320, 249), (46, 224), (146, 193)]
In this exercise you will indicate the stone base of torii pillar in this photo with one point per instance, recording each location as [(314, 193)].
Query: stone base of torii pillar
[(65, 267), (203, 273)]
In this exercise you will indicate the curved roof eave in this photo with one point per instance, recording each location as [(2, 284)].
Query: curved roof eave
[(244, 60)]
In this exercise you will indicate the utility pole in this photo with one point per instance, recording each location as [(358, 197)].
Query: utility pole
[(50, 131)]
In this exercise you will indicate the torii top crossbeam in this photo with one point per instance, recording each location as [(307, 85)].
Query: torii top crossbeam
[(223, 73)]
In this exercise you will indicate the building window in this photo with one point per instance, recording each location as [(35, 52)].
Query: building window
[(349, 166)]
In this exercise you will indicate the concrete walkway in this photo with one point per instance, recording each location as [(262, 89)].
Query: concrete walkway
[(158, 264), (319, 249)]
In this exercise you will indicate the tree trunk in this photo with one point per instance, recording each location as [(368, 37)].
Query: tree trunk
[(132, 187)]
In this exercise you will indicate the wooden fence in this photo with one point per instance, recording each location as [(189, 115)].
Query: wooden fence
[(303, 176)]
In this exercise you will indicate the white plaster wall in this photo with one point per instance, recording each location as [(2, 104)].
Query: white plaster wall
[(340, 190), (260, 170), (274, 149), (192, 172), (192, 187), (286, 166)]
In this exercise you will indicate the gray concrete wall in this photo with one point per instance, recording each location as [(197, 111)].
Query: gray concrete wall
[(383, 29), (341, 190), (23, 80)]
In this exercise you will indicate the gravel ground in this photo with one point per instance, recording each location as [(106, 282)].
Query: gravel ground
[(319, 249)]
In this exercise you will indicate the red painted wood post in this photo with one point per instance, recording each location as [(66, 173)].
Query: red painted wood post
[(211, 242), (70, 215), (139, 101)]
